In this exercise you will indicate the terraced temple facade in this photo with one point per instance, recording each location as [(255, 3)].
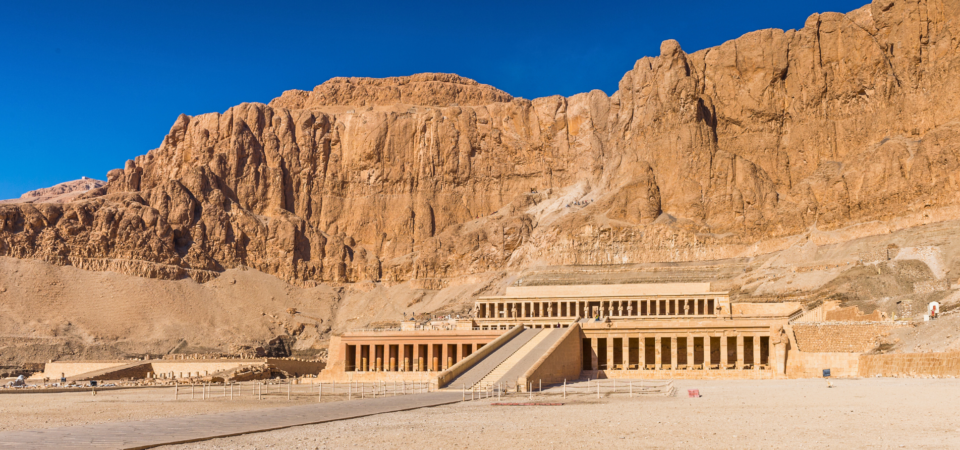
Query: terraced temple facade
[(644, 327), (666, 330)]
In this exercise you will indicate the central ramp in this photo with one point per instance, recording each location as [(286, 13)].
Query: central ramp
[(510, 361), (482, 368)]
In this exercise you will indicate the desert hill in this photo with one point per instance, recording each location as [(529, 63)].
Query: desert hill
[(758, 155), (61, 193)]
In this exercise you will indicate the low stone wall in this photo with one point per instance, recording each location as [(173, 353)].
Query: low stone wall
[(201, 367), (749, 374), (53, 370), (944, 364), (297, 367), (811, 365), (563, 361), (840, 337)]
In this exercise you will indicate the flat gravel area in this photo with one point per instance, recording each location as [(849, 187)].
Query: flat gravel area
[(29, 411), (856, 413)]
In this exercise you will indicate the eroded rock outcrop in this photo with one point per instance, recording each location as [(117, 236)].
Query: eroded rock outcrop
[(724, 152)]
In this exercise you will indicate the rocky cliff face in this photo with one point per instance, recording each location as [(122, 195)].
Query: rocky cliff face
[(722, 153)]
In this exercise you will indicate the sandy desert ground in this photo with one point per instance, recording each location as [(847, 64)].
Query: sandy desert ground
[(867, 413), (47, 410)]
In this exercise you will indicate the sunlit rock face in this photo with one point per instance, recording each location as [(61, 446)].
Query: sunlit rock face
[(725, 152)]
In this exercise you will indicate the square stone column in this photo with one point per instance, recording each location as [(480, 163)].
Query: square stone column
[(673, 352), (357, 363), (706, 352), (756, 351), (690, 352), (739, 351), (625, 352), (657, 353), (643, 353), (430, 358), (610, 359), (723, 351), (594, 354)]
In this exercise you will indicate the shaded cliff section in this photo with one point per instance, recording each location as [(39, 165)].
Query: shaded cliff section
[(726, 152)]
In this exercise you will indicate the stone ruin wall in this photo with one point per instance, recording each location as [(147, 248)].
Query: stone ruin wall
[(943, 364), (840, 337)]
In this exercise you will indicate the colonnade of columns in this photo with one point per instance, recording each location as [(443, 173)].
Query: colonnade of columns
[(405, 357), (669, 307), (678, 352)]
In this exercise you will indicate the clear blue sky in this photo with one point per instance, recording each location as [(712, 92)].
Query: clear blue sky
[(84, 86)]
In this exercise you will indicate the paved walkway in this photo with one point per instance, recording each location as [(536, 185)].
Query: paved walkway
[(178, 430)]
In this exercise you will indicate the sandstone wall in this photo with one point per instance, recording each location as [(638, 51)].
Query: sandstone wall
[(297, 367), (946, 364), (562, 362), (833, 337), (53, 370), (202, 367), (811, 365)]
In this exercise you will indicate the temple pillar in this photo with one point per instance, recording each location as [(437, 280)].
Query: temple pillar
[(691, 345), (723, 351), (357, 361), (673, 352), (739, 351), (625, 351), (658, 350), (594, 355), (610, 358), (706, 352), (756, 351), (642, 360)]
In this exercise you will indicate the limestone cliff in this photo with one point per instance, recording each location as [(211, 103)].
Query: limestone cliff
[(726, 152)]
